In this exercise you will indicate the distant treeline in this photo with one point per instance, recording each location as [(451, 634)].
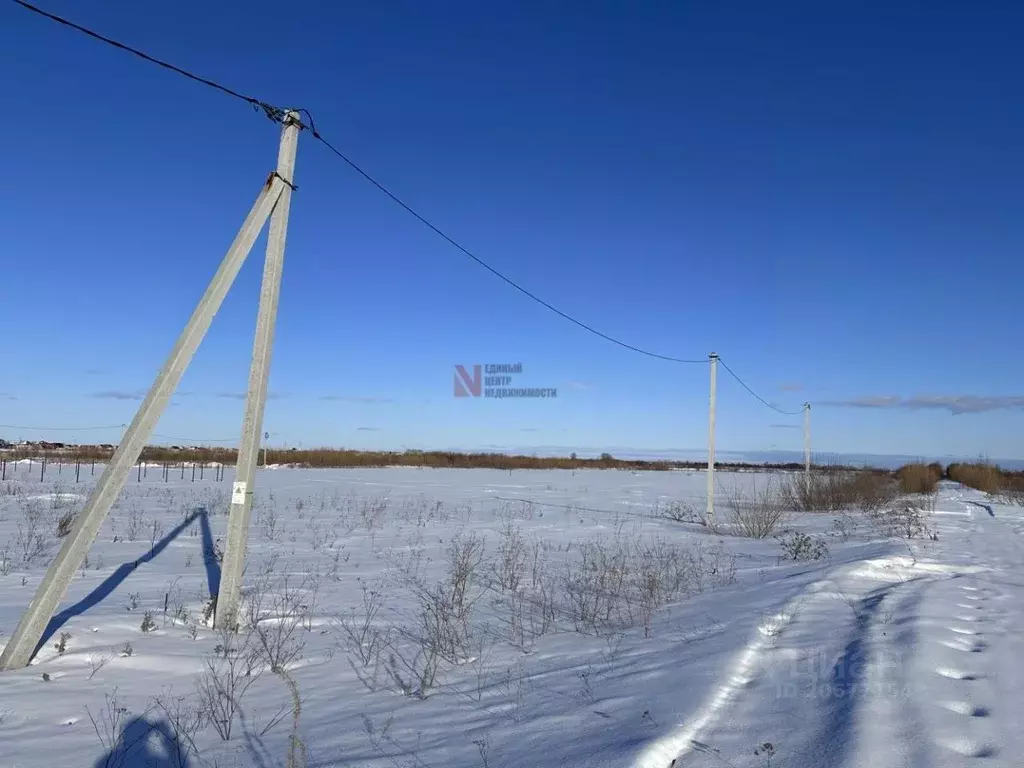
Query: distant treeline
[(340, 457)]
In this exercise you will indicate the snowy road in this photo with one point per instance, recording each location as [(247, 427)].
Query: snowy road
[(906, 660)]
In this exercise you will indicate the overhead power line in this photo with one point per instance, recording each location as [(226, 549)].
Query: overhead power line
[(193, 440), (277, 114), (196, 440), (274, 113), (509, 281), (757, 396), (61, 429)]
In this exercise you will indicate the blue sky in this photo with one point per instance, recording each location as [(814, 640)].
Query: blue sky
[(826, 194)]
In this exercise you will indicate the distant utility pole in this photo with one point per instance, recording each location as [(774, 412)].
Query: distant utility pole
[(807, 446), (713, 359), (25, 639), (259, 373)]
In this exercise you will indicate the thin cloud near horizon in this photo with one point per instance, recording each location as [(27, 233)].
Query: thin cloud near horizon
[(955, 404), (243, 395), (355, 399), (118, 394)]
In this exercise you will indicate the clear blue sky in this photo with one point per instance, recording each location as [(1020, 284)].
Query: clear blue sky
[(826, 194)]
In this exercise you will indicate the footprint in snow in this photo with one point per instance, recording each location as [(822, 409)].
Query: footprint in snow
[(967, 747), (963, 631), (966, 708), (961, 644), (955, 674)]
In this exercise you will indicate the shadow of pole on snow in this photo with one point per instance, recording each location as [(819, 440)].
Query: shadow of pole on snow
[(134, 747), (986, 507), (114, 580)]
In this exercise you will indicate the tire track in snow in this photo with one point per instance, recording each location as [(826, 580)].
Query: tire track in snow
[(924, 674), (848, 695), (802, 681), (670, 749)]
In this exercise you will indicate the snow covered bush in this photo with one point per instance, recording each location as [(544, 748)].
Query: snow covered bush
[(800, 547)]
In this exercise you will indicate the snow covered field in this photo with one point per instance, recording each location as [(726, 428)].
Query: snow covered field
[(486, 619)]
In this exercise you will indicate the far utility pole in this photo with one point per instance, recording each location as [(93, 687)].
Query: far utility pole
[(713, 359), (277, 188), (807, 446)]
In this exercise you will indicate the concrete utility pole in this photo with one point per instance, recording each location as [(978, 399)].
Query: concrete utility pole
[(22, 645), (713, 359), (233, 566), (807, 446)]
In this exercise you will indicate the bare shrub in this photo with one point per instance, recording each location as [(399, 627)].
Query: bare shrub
[(755, 513), (108, 724), (122, 741), (225, 679), (443, 632), (982, 475), (96, 663), (905, 521), (372, 512), (62, 643), (595, 583), (30, 540), (539, 608), (1007, 486), (135, 523), (800, 547), (64, 524), (274, 619), (873, 490), (919, 478), (148, 622), (465, 553), (185, 721), (267, 519), (656, 580), (622, 583), (444, 623), (511, 559), (677, 512), (836, 490), (709, 566), (366, 639), (1012, 489), (416, 675)]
